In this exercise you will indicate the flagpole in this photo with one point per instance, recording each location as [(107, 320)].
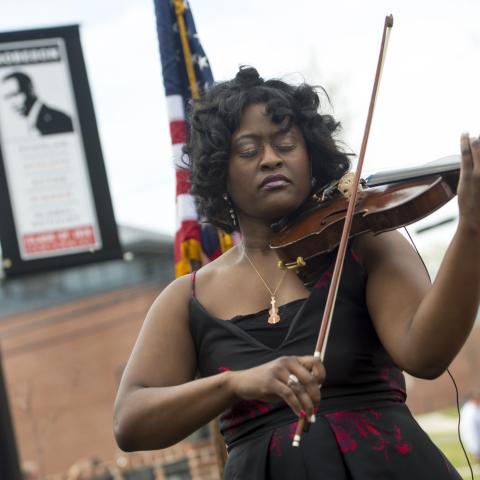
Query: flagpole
[(187, 54), (226, 241), (179, 5)]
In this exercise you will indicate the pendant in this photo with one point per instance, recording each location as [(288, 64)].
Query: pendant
[(273, 316)]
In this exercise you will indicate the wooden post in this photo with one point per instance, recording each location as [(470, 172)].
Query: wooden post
[(219, 445), (9, 464)]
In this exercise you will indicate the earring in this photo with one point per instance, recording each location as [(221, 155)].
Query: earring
[(231, 211)]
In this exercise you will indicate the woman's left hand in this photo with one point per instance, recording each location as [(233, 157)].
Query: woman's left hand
[(469, 184)]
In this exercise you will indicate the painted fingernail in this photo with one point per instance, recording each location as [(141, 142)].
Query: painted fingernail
[(303, 414), (313, 419)]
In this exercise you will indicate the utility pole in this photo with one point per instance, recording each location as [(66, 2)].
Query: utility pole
[(9, 464)]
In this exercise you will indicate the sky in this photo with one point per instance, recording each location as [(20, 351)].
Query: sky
[(428, 96)]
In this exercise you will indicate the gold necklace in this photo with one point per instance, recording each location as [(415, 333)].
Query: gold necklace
[(273, 315)]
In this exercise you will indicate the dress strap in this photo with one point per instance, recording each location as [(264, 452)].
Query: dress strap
[(193, 283)]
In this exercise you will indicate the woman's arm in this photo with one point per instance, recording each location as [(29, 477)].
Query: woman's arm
[(159, 402), (424, 327)]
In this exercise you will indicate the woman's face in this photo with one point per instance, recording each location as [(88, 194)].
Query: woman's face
[(269, 169)]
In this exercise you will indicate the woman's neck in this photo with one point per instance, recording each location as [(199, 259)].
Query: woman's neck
[(256, 236)]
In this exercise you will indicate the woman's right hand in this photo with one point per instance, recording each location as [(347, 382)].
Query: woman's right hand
[(270, 383)]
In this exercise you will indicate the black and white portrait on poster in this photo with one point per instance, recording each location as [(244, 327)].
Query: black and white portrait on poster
[(44, 152), (22, 96)]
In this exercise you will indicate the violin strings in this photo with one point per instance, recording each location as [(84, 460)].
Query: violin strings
[(448, 371)]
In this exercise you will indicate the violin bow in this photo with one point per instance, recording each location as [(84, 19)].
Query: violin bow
[(335, 282)]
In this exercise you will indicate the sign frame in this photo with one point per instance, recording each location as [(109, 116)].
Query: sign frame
[(14, 263)]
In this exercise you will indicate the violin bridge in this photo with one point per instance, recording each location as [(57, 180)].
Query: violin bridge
[(345, 185)]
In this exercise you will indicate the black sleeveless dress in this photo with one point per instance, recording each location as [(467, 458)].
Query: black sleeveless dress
[(363, 430)]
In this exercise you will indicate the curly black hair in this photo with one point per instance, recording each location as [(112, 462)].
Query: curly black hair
[(217, 116)]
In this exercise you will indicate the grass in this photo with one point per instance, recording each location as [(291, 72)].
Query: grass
[(449, 443), (451, 448)]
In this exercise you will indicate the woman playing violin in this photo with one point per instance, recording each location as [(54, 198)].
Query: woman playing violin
[(257, 150)]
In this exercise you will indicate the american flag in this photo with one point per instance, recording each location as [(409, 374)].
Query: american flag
[(195, 243)]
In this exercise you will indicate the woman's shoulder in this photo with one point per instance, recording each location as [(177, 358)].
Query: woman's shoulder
[(374, 250), (174, 297), (219, 266), (182, 288), (179, 286)]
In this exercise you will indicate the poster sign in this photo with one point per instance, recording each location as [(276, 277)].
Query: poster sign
[(57, 210)]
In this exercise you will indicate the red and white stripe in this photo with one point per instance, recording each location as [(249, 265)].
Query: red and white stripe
[(185, 205)]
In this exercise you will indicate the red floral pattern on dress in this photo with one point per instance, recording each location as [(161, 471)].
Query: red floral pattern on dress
[(394, 377), (242, 410), (325, 278), (277, 439), (275, 443), (357, 428), (401, 447), (355, 256)]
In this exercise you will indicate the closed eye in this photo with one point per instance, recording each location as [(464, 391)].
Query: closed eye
[(285, 147), (248, 153)]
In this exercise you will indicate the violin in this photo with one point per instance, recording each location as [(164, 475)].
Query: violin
[(385, 201)]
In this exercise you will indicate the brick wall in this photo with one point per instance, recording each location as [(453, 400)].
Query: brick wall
[(62, 367), (427, 395)]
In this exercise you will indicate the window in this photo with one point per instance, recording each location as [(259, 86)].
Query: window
[(139, 474), (177, 471)]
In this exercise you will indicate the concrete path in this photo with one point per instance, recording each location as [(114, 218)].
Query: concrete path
[(437, 423)]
